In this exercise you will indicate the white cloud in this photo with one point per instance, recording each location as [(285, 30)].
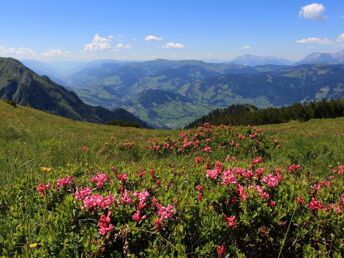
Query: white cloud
[(122, 46), (315, 40), (246, 47), (56, 52), (173, 45), (98, 43), (313, 11), (17, 51), (153, 38), (341, 38)]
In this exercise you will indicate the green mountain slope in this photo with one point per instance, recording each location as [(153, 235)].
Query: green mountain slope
[(206, 87), (20, 84)]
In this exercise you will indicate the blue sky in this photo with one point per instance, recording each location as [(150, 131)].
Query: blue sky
[(180, 29)]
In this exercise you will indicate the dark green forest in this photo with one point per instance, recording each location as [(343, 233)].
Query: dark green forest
[(250, 115)]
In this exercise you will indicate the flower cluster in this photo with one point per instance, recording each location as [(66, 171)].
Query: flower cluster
[(100, 179)]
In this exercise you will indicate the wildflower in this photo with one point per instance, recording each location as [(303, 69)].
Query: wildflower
[(271, 180), (125, 197), (228, 177), (316, 187), (96, 200), (137, 216), (293, 168), (299, 199), (257, 160), (272, 204), (42, 189), (230, 221), (100, 179), (63, 182), (221, 251), (165, 212), (213, 173), (33, 245), (85, 148), (243, 195), (207, 149), (83, 193), (199, 196), (122, 177), (104, 228), (141, 173), (199, 188), (342, 200), (45, 169), (315, 204), (142, 195)]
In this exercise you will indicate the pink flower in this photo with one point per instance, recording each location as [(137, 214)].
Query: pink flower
[(100, 179), (243, 195), (85, 148), (316, 187), (199, 188), (340, 170), (257, 160), (122, 177), (342, 200), (125, 197), (104, 224), (199, 196), (271, 180), (300, 199), (221, 251), (141, 173), (137, 216), (142, 196), (231, 222), (83, 193), (63, 182), (207, 149), (293, 168), (213, 173), (272, 204), (96, 201), (165, 212), (315, 204), (42, 189), (228, 177)]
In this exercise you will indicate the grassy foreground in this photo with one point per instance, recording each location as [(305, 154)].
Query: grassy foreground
[(275, 190)]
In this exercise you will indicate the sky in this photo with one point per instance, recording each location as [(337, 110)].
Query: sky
[(62, 30)]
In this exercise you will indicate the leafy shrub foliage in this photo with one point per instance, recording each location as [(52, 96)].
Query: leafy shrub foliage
[(209, 192)]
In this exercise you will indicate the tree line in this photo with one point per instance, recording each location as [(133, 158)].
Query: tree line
[(250, 115)]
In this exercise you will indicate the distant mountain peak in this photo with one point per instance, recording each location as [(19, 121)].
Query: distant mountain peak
[(254, 60), (324, 58)]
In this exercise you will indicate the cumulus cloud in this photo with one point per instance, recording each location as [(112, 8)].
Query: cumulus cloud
[(122, 46), (56, 52), (246, 47), (173, 45), (341, 38), (16, 51), (98, 43), (153, 38), (321, 41), (313, 11)]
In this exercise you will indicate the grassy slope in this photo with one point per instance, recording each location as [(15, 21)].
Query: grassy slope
[(30, 139)]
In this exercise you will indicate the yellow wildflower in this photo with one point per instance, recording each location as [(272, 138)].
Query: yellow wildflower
[(33, 245), (44, 169)]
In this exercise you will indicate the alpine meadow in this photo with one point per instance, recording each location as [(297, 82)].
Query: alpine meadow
[(160, 129)]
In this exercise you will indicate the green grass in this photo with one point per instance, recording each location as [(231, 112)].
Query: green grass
[(30, 139)]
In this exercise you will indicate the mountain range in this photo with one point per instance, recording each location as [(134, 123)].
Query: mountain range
[(171, 94), (20, 84)]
